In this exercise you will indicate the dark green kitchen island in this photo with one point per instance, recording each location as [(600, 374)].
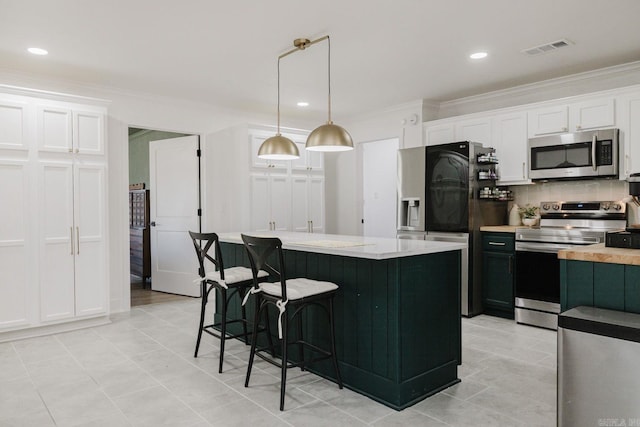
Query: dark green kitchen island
[(397, 309)]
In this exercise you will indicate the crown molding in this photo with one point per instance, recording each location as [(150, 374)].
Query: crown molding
[(576, 84)]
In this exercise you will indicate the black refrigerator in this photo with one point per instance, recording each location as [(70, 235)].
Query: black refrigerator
[(455, 211)]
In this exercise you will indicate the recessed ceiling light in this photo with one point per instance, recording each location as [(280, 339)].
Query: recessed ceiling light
[(37, 51), (303, 104), (478, 55)]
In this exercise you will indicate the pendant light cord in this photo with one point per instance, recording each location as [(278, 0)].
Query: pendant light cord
[(278, 132), (329, 75)]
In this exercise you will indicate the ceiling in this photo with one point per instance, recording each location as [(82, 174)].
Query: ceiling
[(383, 53)]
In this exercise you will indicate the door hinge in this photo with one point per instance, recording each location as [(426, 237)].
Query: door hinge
[(199, 212), (198, 153)]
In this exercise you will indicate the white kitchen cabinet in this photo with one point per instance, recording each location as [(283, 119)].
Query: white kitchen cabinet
[(14, 117), (574, 117), (73, 252), (67, 130), (53, 230), (510, 141), (629, 115), (475, 130), (15, 245), (307, 209), (309, 161), (270, 202), (442, 133)]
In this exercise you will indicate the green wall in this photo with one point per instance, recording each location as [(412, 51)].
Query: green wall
[(139, 152)]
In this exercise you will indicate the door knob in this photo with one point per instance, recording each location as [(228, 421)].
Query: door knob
[(153, 223)]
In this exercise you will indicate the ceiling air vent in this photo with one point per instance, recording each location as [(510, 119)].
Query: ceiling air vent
[(547, 47)]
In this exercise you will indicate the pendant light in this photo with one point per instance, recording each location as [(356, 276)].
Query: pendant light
[(278, 147), (328, 137)]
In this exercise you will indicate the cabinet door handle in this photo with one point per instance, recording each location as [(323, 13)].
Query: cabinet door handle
[(497, 243), (510, 264), (71, 234), (78, 238), (593, 153), (523, 171)]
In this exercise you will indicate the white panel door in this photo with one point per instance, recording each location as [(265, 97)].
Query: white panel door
[(14, 246), (549, 120), (511, 147), (474, 131), (88, 132), (280, 200), (592, 114), (55, 130), (57, 248), (13, 125), (260, 204), (380, 175), (299, 203), (89, 229), (174, 200), (439, 134), (315, 203), (633, 141)]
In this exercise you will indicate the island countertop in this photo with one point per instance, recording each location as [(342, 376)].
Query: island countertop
[(351, 246)]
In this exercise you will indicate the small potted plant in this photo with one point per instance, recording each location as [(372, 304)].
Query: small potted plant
[(529, 215)]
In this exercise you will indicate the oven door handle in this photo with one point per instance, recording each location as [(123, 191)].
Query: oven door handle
[(549, 248)]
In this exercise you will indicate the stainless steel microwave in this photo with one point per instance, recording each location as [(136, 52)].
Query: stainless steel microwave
[(592, 154)]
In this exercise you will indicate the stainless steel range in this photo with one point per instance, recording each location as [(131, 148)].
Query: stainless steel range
[(563, 225)]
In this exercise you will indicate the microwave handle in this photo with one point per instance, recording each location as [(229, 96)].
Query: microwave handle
[(593, 153)]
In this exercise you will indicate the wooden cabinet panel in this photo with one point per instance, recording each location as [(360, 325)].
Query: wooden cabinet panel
[(13, 125)]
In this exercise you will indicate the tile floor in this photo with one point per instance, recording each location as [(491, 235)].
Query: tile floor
[(140, 371)]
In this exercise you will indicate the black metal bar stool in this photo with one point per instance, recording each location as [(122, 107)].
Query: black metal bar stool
[(290, 297), (226, 282)]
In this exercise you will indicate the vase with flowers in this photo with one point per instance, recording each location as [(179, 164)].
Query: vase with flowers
[(529, 215)]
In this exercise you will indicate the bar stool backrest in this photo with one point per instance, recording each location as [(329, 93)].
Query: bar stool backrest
[(204, 252), (259, 250)]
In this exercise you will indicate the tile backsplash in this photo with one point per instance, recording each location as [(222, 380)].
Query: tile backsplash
[(587, 190)]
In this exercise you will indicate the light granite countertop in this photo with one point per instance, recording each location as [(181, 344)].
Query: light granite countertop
[(350, 246)]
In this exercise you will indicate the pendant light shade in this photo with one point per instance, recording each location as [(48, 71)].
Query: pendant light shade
[(278, 147), (329, 137)]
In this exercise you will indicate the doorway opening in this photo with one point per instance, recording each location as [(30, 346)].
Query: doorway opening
[(139, 216)]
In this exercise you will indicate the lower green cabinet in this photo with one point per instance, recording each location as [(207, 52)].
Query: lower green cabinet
[(597, 284), (498, 266)]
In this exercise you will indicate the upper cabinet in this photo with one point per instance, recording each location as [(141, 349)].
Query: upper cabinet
[(510, 141), (574, 117), (476, 130), (67, 130), (629, 118), (309, 161), (435, 134), (13, 125)]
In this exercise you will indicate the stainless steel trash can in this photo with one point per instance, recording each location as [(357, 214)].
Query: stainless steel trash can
[(598, 368)]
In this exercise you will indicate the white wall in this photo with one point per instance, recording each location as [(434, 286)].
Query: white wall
[(343, 174)]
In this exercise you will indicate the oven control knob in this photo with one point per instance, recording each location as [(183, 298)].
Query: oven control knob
[(556, 207), (606, 207), (545, 207), (617, 207)]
